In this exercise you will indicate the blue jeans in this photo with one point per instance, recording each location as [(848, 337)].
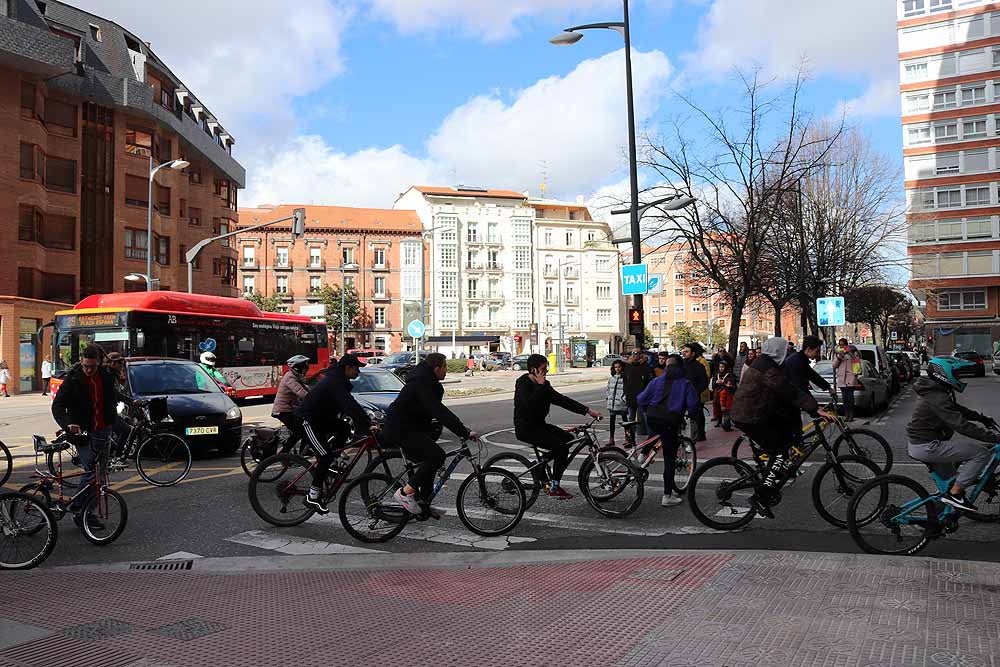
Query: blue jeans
[(87, 452)]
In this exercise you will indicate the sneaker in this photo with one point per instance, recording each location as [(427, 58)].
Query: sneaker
[(409, 503), (761, 507), (316, 504), (958, 502), (669, 500), (560, 493), (435, 512)]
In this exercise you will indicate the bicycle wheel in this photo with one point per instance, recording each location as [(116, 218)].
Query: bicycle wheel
[(988, 503), (686, 463), (368, 511), (278, 487), (41, 493), (6, 464), (69, 457), (163, 459), (891, 515), (250, 455), (867, 444), (532, 482), (360, 468), (719, 493), (611, 484), (832, 492), (491, 502), (28, 531), (104, 516)]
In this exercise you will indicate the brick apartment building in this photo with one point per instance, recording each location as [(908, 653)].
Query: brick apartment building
[(86, 108), (378, 251)]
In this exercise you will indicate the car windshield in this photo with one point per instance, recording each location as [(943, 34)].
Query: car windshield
[(398, 358), (382, 381), (868, 355), (824, 368), (155, 379)]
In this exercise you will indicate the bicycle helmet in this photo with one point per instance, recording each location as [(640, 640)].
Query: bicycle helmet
[(208, 359), (299, 363), (942, 369)]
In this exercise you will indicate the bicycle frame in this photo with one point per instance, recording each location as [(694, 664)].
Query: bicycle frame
[(363, 444), (100, 480)]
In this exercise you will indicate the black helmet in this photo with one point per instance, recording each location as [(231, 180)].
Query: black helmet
[(299, 363)]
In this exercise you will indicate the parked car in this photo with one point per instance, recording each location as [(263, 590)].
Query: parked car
[(374, 361), (200, 411), (996, 364), (914, 362), (979, 370), (901, 364), (519, 362), (502, 358), (608, 359), (868, 400), (876, 356)]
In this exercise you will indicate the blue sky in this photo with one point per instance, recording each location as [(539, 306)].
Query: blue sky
[(348, 102)]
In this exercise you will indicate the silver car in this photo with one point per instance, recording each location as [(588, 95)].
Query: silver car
[(868, 400)]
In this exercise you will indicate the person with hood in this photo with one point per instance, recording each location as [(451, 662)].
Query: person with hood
[(767, 407), (665, 401), (615, 396), (937, 417), (697, 373), (327, 412), (291, 390), (637, 375), (410, 424), (846, 369)]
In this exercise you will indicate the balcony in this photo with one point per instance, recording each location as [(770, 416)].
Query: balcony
[(316, 265), (286, 296), (313, 295), (571, 272), (383, 266), (387, 324), (551, 300), (282, 264), (474, 240), (550, 272), (249, 264), (384, 295), (473, 266), (348, 267), (494, 266), (571, 301)]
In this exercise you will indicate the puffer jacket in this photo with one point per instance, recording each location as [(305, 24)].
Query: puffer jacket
[(616, 394), (290, 392), (843, 373), (937, 416), (765, 394)]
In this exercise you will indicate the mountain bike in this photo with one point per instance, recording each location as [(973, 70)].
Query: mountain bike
[(100, 512), (262, 442), (610, 482), (6, 464), (28, 531), (720, 490), (894, 514), (642, 453), (489, 502)]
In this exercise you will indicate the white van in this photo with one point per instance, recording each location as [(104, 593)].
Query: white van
[(875, 355)]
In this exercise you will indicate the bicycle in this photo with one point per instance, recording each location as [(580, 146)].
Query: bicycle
[(722, 499), (6, 464), (262, 442), (605, 474), (285, 478), (369, 512), (859, 442), (23, 545), (161, 458), (894, 514), (642, 454), (102, 513)]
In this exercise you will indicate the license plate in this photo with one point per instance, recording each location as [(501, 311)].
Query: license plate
[(201, 430)]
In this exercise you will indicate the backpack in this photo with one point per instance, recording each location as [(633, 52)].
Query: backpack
[(661, 411)]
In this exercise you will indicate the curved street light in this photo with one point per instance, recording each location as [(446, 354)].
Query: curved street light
[(176, 165)]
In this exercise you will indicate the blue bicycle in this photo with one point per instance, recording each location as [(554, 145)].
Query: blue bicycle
[(895, 515)]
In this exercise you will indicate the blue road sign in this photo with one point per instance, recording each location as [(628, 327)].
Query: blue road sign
[(207, 345), (654, 284), (416, 329), (830, 311), (634, 279)]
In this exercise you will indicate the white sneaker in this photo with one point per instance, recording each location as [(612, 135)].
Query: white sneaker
[(669, 500), (409, 503)]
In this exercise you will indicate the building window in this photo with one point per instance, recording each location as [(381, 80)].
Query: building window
[(939, 5), (347, 255), (249, 258), (945, 99), (449, 286), (194, 175), (448, 256), (60, 175), (410, 284), (678, 307), (522, 316), (550, 293), (281, 285), (949, 198), (472, 288), (221, 226), (919, 135), (996, 57), (912, 7), (522, 259), (378, 257), (315, 283), (918, 103), (472, 232), (970, 300), (591, 236), (979, 263), (380, 286), (138, 142), (974, 129), (135, 243), (493, 232), (976, 161), (28, 161), (248, 284), (915, 71), (569, 239), (162, 247), (51, 231), (411, 255), (380, 316), (678, 276), (547, 237), (603, 263), (136, 191), (162, 199), (604, 291), (947, 163), (60, 117), (281, 257), (977, 228), (349, 282), (973, 95), (946, 132), (194, 217), (448, 225), (28, 97), (604, 315), (522, 232), (522, 287), (949, 230), (977, 196), (315, 257)]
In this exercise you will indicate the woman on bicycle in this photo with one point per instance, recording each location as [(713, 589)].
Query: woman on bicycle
[(291, 390), (617, 406), (665, 401)]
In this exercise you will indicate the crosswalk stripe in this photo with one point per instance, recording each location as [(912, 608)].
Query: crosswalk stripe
[(435, 533), (296, 546)]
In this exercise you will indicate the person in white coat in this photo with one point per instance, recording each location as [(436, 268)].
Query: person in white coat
[(617, 407), (46, 375)]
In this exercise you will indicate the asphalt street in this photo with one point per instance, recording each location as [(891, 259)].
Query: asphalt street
[(209, 513)]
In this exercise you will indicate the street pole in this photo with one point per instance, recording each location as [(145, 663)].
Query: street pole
[(343, 329), (149, 226), (559, 351), (633, 168)]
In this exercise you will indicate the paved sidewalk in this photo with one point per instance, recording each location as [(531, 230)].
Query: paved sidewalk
[(629, 609)]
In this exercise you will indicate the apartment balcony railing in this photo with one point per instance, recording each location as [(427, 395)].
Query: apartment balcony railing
[(381, 295), (286, 296), (249, 264), (282, 264), (383, 266), (316, 265)]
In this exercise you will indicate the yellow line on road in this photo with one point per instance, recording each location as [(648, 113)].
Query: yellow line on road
[(147, 487)]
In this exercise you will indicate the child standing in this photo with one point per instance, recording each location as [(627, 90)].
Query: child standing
[(4, 378), (723, 391), (617, 407)]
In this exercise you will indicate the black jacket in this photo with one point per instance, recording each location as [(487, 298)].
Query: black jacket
[(694, 371), (937, 416), (72, 404), (800, 372), (766, 395), (418, 403), (532, 402), (331, 400), (636, 377)]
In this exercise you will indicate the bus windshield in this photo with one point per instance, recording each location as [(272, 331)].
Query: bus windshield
[(71, 342)]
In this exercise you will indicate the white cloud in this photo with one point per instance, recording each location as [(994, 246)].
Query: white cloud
[(881, 98)]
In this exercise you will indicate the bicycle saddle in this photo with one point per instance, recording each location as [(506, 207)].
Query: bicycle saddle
[(41, 445)]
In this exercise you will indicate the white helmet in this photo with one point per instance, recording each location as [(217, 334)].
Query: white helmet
[(208, 359)]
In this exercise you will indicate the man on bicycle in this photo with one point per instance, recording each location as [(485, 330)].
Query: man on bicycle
[(87, 400), (798, 367), (936, 418), (533, 397), (325, 412), (410, 424), (291, 390)]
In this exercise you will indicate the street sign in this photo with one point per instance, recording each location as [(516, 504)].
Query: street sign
[(893, 336), (207, 345), (830, 311), (633, 279), (654, 284), (416, 329), (636, 323)]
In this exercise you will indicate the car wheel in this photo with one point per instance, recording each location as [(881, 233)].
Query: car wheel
[(517, 367)]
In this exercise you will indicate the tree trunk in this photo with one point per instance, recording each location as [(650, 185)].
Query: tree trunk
[(734, 327), (778, 307)]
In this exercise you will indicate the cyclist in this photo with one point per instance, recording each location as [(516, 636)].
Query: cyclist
[(291, 390), (798, 367), (766, 407), (410, 424), (936, 418), (323, 412), (533, 397), (208, 363)]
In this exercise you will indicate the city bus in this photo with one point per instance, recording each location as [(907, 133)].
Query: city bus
[(250, 346)]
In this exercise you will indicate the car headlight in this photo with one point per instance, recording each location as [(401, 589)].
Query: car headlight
[(375, 414), (234, 413)]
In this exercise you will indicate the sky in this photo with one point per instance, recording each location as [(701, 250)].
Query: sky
[(349, 102)]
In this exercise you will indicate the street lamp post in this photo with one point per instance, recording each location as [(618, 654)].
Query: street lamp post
[(171, 164), (136, 277)]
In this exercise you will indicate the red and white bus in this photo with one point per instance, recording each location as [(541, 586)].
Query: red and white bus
[(250, 346)]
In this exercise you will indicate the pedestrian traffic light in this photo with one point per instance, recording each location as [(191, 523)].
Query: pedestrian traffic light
[(636, 323)]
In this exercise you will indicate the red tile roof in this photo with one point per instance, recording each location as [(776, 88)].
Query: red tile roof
[(336, 217), (452, 192)]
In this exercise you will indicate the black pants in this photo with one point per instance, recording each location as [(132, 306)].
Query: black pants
[(294, 424), (45, 386), (552, 439), (326, 446), (699, 422), (669, 437), (611, 427), (775, 438), (429, 457)]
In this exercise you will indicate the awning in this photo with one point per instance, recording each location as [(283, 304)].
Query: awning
[(463, 339)]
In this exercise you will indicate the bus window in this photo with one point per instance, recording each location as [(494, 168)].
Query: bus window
[(245, 352)]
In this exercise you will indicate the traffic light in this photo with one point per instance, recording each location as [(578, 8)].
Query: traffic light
[(636, 323), (298, 223)]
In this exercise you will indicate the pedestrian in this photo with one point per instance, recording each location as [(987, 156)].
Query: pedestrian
[(723, 390), (696, 371), (4, 378), (637, 375), (846, 370), (116, 364), (470, 366), (615, 396), (741, 360), (46, 375), (665, 401), (661, 363)]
